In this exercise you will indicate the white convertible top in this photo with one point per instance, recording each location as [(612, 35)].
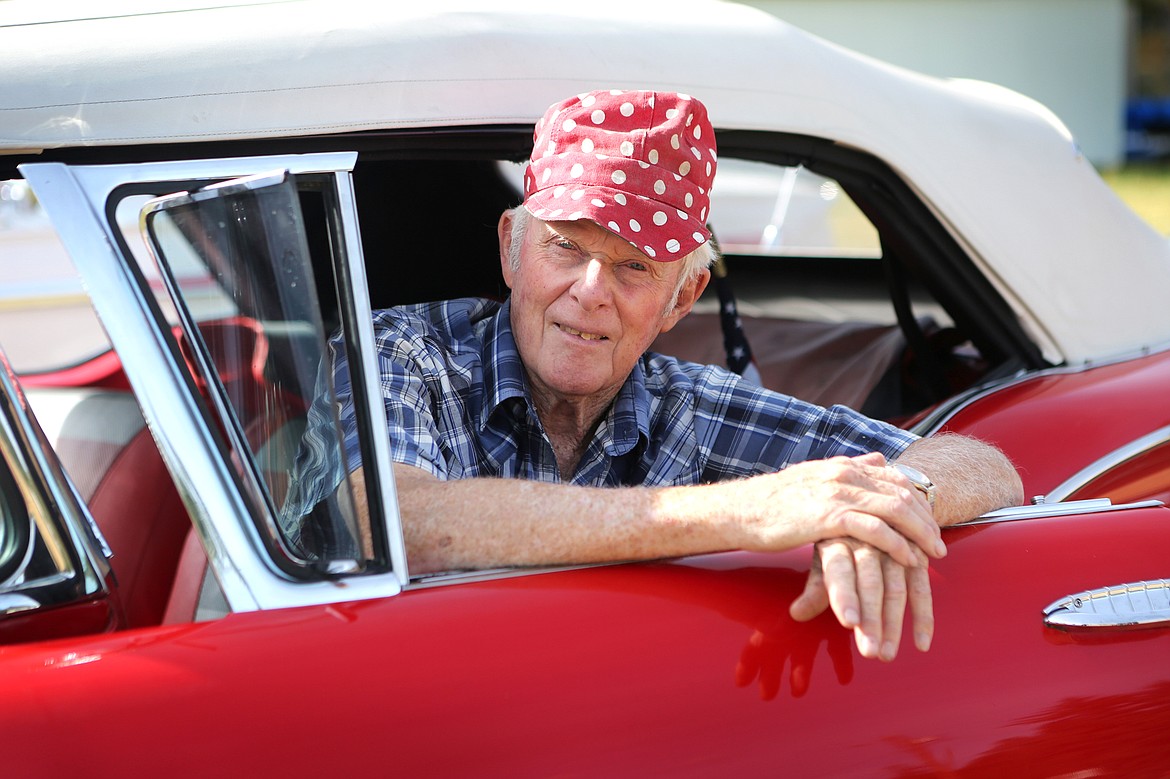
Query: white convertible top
[(1082, 271)]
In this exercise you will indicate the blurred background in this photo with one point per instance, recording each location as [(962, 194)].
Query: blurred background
[(1102, 66)]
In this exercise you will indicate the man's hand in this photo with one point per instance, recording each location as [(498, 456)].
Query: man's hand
[(868, 592), (855, 497)]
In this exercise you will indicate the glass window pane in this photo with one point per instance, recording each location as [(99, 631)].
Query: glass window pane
[(241, 250), (763, 209)]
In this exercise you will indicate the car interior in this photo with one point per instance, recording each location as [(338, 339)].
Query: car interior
[(937, 328)]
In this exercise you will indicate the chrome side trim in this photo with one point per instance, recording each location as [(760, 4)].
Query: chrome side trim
[(1117, 457), (15, 603), (1125, 606), (1054, 509)]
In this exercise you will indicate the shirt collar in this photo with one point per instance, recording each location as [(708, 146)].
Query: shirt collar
[(505, 379), (628, 419), (503, 372)]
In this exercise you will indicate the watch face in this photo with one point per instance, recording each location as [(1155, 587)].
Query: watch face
[(919, 479), (914, 475)]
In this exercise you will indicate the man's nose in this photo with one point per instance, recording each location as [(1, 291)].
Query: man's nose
[(593, 288)]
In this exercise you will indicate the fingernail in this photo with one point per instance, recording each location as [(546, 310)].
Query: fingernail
[(940, 548), (851, 618), (866, 646), (889, 651), (922, 641)]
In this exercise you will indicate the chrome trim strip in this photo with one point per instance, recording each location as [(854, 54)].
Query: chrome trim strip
[(1117, 457), (71, 197), (1095, 506), (15, 603), (357, 292)]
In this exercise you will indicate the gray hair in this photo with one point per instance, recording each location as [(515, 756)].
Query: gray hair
[(694, 263)]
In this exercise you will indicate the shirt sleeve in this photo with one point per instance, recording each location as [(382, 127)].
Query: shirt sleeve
[(410, 372), (745, 430), (330, 447)]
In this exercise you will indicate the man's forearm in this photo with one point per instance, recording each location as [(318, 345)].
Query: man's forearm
[(971, 477), (485, 523), (478, 523)]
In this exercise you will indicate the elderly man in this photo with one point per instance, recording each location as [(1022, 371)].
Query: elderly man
[(540, 430)]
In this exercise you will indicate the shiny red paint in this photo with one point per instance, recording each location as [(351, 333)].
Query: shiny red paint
[(1054, 425), (685, 668)]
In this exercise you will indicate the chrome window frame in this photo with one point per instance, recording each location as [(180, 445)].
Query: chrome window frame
[(76, 198), (54, 508)]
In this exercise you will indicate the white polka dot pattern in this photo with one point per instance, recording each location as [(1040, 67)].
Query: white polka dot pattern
[(640, 164)]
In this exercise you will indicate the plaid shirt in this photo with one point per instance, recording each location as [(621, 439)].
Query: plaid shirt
[(458, 406)]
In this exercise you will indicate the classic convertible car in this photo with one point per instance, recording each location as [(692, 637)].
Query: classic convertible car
[(237, 185)]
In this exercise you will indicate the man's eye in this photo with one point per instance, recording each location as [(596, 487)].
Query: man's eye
[(638, 266)]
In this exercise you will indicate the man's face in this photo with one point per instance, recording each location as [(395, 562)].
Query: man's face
[(586, 305)]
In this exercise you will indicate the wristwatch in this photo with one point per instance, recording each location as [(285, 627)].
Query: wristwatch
[(920, 480)]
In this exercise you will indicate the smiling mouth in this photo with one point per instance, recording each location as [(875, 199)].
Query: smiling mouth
[(581, 335)]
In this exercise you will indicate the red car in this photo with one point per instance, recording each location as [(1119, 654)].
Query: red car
[(237, 184)]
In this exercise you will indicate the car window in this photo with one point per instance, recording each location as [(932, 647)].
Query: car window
[(237, 254), (204, 298), (787, 211), (225, 327), (776, 211), (799, 248)]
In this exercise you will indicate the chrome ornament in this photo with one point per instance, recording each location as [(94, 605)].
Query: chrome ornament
[(1124, 606)]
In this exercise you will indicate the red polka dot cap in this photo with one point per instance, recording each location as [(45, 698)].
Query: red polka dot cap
[(639, 164)]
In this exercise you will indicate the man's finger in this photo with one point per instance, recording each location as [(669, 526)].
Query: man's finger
[(840, 581), (893, 607), (815, 599), (871, 595), (896, 501), (921, 607), (874, 525)]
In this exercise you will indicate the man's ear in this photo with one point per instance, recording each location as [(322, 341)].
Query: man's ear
[(504, 232), (687, 297)]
